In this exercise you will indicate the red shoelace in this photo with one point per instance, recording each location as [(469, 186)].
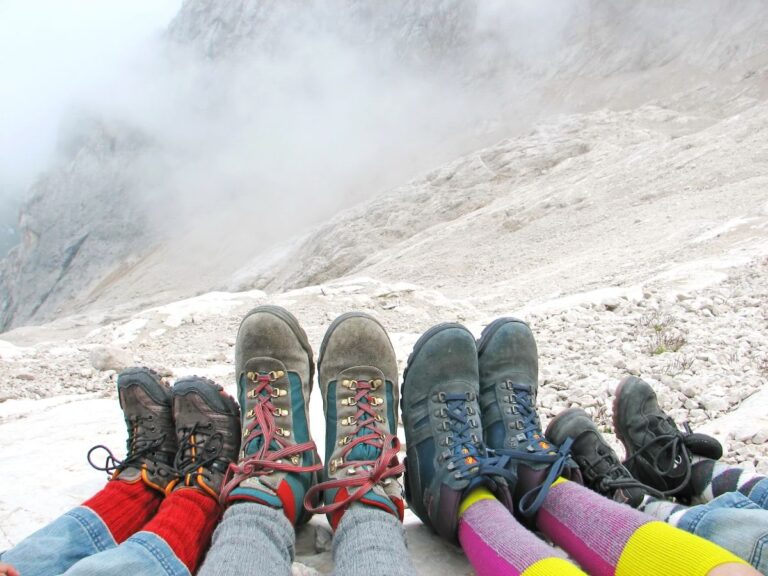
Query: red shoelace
[(363, 475), (265, 460)]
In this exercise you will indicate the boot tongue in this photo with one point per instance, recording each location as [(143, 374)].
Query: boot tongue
[(364, 451), (263, 366)]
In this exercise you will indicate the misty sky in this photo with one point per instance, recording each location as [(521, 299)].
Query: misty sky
[(56, 56)]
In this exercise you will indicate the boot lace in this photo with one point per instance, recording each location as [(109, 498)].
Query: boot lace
[(606, 474), (274, 453), (669, 445), (465, 453), (537, 449), (378, 447), (138, 447), (199, 447)]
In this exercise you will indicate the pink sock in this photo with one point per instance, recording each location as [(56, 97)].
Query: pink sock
[(496, 543), (591, 528)]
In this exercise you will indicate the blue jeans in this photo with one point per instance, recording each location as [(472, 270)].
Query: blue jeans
[(80, 544), (736, 523)]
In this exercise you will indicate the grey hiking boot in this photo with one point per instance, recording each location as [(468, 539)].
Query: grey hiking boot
[(151, 445), (658, 453), (278, 461), (446, 457), (359, 383), (208, 432), (599, 464), (509, 371)]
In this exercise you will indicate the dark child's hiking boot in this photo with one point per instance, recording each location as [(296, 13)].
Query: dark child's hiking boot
[(208, 432), (358, 380), (151, 445), (446, 457), (599, 464), (278, 460), (658, 453), (509, 370)]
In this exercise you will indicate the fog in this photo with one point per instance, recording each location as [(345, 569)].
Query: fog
[(300, 120), (259, 112), (60, 55)]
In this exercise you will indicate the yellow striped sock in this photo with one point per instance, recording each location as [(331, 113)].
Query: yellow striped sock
[(549, 566), (658, 548), (481, 493)]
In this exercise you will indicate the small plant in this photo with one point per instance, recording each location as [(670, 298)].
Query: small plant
[(679, 364), (663, 334), (762, 365)]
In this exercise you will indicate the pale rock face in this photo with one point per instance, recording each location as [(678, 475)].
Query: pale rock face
[(635, 216), (86, 244)]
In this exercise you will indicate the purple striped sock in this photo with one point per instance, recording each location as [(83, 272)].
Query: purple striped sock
[(591, 528), (496, 543)]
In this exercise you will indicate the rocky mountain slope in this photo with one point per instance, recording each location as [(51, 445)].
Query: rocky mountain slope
[(134, 213), (625, 218)]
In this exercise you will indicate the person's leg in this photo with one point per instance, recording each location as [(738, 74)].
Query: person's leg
[(173, 541), (265, 490), (362, 497), (369, 540), (735, 530), (253, 537), (128, 501), (606, 537), (731, 520), (495, 543), (710, 479)]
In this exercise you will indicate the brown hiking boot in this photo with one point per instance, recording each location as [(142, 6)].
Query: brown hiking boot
[(208, 432), (151, 445)]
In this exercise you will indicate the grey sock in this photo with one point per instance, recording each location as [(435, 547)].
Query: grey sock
[(372, 542), (251, 539)]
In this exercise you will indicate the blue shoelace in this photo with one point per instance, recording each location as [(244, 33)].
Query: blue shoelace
[(537, 450)]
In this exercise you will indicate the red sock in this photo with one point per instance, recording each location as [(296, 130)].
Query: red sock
[(125, 507), (186, 521)]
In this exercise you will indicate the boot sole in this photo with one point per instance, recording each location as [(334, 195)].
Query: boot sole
[(293, 324), (490, 330), (148, 380), (336, 323), (553, 423), (423, 340), (211, 392), (616, 428)]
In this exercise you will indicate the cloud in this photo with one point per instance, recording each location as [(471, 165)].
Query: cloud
[(56, 55)]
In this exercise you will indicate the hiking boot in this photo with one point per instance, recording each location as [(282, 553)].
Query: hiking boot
[(446, 457), (151, 445), (208, 433), (358, 380), (658, 453), (509, 371), (600, 466), (278, 460)]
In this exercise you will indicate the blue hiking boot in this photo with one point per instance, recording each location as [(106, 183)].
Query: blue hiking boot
[(278, 460), (509, 372), (446, 457), (358, 380)]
